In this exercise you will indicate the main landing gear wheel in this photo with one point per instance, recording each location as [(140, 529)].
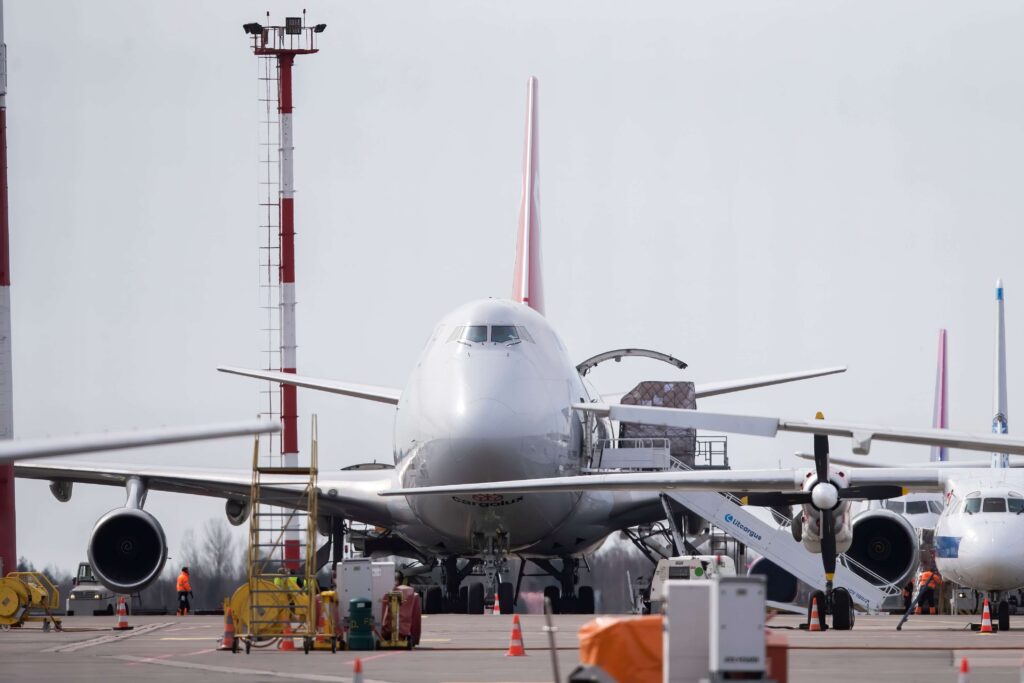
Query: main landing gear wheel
[(585, 600), (432, 600), (475, 599), (552, 593), (506, 596), (462, 602), (842, 610), (1003, 612)]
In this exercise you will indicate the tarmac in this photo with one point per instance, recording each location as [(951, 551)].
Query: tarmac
[(463, 649)]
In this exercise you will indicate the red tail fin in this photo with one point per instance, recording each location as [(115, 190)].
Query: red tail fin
[(527, 286)]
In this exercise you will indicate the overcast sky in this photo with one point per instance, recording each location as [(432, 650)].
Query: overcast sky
[(754, 187)]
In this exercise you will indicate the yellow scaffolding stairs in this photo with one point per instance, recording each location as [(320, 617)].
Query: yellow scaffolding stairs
[(282, 588)]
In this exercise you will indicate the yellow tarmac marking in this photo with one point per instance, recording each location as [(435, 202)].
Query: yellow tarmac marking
[(436, 640)]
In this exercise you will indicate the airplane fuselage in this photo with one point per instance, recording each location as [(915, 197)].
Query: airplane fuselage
[(489, 400), (978, 536)]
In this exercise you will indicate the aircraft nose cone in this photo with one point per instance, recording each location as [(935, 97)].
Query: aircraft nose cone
[(484, 418), (991, 562)]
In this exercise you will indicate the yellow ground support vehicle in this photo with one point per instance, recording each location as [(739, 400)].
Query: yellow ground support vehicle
[(28, 596)]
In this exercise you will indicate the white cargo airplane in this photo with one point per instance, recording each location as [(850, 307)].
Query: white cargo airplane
[(977, 534), (493, 396)]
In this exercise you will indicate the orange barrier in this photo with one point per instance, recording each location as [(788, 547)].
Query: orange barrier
[(776, 651), (628, 649)]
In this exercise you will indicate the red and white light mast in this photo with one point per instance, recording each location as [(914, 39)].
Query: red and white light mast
[(8, 546), (284, 43)]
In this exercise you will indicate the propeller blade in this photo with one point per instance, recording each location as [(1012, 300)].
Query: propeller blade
[(773, 498), (821, 453), (828, 544), (872, 492)]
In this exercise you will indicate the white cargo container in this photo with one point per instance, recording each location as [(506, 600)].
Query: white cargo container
[(361, 577)]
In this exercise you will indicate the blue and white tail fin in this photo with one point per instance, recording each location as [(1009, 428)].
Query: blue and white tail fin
[(1000, 425), (940, 417), (527, 285)]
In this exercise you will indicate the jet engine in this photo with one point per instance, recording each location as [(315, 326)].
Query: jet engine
[(237, 511), (781, 585), (885, 543), (127, 549)]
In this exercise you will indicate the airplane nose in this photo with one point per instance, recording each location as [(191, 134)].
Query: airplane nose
[(485, 419), (991, 562)]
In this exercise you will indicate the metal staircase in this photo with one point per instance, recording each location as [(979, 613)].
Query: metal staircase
[(281, 590), (777, 544)]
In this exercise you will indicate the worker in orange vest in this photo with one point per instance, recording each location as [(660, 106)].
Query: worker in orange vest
[(928, 583), (184, 592)]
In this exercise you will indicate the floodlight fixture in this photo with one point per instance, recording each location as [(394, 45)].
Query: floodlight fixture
[(319, 28), (252, 29), (293, 26)]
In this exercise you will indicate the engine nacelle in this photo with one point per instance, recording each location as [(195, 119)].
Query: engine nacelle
[(886, 543), (127, 549), (781, 586), (809, 528), (237, 511)]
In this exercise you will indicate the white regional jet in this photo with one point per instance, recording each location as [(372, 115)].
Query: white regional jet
[(977, 535), (494, 396)]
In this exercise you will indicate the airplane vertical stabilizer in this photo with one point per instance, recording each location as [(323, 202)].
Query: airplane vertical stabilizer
[(940, 417), (1000, 425), (527, 286)]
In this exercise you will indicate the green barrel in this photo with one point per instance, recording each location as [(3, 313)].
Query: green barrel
[(360, 624)]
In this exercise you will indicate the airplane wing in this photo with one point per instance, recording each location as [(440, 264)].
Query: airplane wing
[(48, 447), (367, 392), (716, 388), (741, 481), (352, 493), (942, 464), (754, 425)]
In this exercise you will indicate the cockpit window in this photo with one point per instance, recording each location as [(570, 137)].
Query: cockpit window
[(503, 334), (993, 505), (1016, 504), (894, 505), (469, 334), (935, 506), (972, 504), (917, 507), (524, 334)]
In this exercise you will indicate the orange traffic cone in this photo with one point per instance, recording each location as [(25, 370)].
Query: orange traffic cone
[(515, 645), (228, 642), (815, 624), (986, 619), (357, 672), (497, 605), (122, 616), (286, 643), (965, 672)]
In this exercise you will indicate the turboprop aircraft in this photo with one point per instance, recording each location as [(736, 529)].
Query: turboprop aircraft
[(490, 398), (977, 533)]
